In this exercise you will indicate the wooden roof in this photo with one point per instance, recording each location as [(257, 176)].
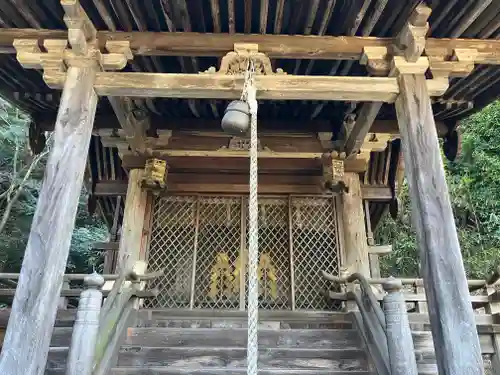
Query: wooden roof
[(381, 18), (479, 19)]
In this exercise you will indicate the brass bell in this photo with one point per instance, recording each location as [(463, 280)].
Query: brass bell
[(236, 120)]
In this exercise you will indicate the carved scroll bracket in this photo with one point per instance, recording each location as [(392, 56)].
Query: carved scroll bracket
[(237, 61)]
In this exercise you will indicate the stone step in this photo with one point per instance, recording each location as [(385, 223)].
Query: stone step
[(237, 337)]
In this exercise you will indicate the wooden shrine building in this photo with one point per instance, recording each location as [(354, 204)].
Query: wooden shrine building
[(346, 90)]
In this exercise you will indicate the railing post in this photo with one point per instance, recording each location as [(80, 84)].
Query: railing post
[(399, 338), (86, 328)]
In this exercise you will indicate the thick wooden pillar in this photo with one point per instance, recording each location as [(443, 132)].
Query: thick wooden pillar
[(355, 242), (453, 327), (133, 238), (34, 309)]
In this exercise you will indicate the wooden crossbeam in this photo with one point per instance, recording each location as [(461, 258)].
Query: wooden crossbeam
[(205, 183), (274, 127), (275, 46), (275, 87), (279, 87)]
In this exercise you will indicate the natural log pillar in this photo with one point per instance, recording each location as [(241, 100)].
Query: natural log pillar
[(86, 328), (355, 243), (35, 304), (399, 338), (452, 319), (132, 240)]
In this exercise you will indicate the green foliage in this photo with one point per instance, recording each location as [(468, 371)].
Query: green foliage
[(474, 184), (13, 136)]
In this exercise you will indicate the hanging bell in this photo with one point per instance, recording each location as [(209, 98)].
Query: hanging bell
[(236, 120)]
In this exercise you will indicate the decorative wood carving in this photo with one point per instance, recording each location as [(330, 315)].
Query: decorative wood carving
[(333, 171), (236, 62)]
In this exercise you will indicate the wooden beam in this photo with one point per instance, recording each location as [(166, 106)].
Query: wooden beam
[(105, 246), (134, 215), (355, 241), (271, 87), (312, 47), (231, 183), (134, 128), (225, 165), (452, 319), (361, 128), (380, 249), (211, 127), (37, 296)]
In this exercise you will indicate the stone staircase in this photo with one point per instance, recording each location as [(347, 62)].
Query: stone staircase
[(168, 342)]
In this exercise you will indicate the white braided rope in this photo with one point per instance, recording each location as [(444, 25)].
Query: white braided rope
[(253, 231)]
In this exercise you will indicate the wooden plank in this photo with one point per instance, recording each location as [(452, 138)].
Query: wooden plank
[(355, 242), (237, 337), (380, 249), (312, 47), (110, 245), (271, 87), (354, 359), (452, 319), (133, 222), (34, 309)]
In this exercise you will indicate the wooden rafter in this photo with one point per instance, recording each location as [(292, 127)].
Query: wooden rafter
[(312, 47)]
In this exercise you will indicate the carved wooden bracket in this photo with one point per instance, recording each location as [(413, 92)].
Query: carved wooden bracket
[(333, 172), (236, 62), (58, 57), (80, 49)]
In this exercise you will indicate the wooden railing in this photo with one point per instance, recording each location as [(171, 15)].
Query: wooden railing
[(410, 305), (98, 328)]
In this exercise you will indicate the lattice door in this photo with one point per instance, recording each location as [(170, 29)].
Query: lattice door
[(315, 248), (201, 243)]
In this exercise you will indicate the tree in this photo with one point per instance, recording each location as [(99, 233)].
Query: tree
[(474, 184)]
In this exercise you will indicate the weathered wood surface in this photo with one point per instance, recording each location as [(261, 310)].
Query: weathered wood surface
[(333, 359), (35, 304), (237, 337), (271, 87), (355, 242), (84, 335), (275, 46), (131, 240), (399, 338), (218, 371), (452, 319)]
